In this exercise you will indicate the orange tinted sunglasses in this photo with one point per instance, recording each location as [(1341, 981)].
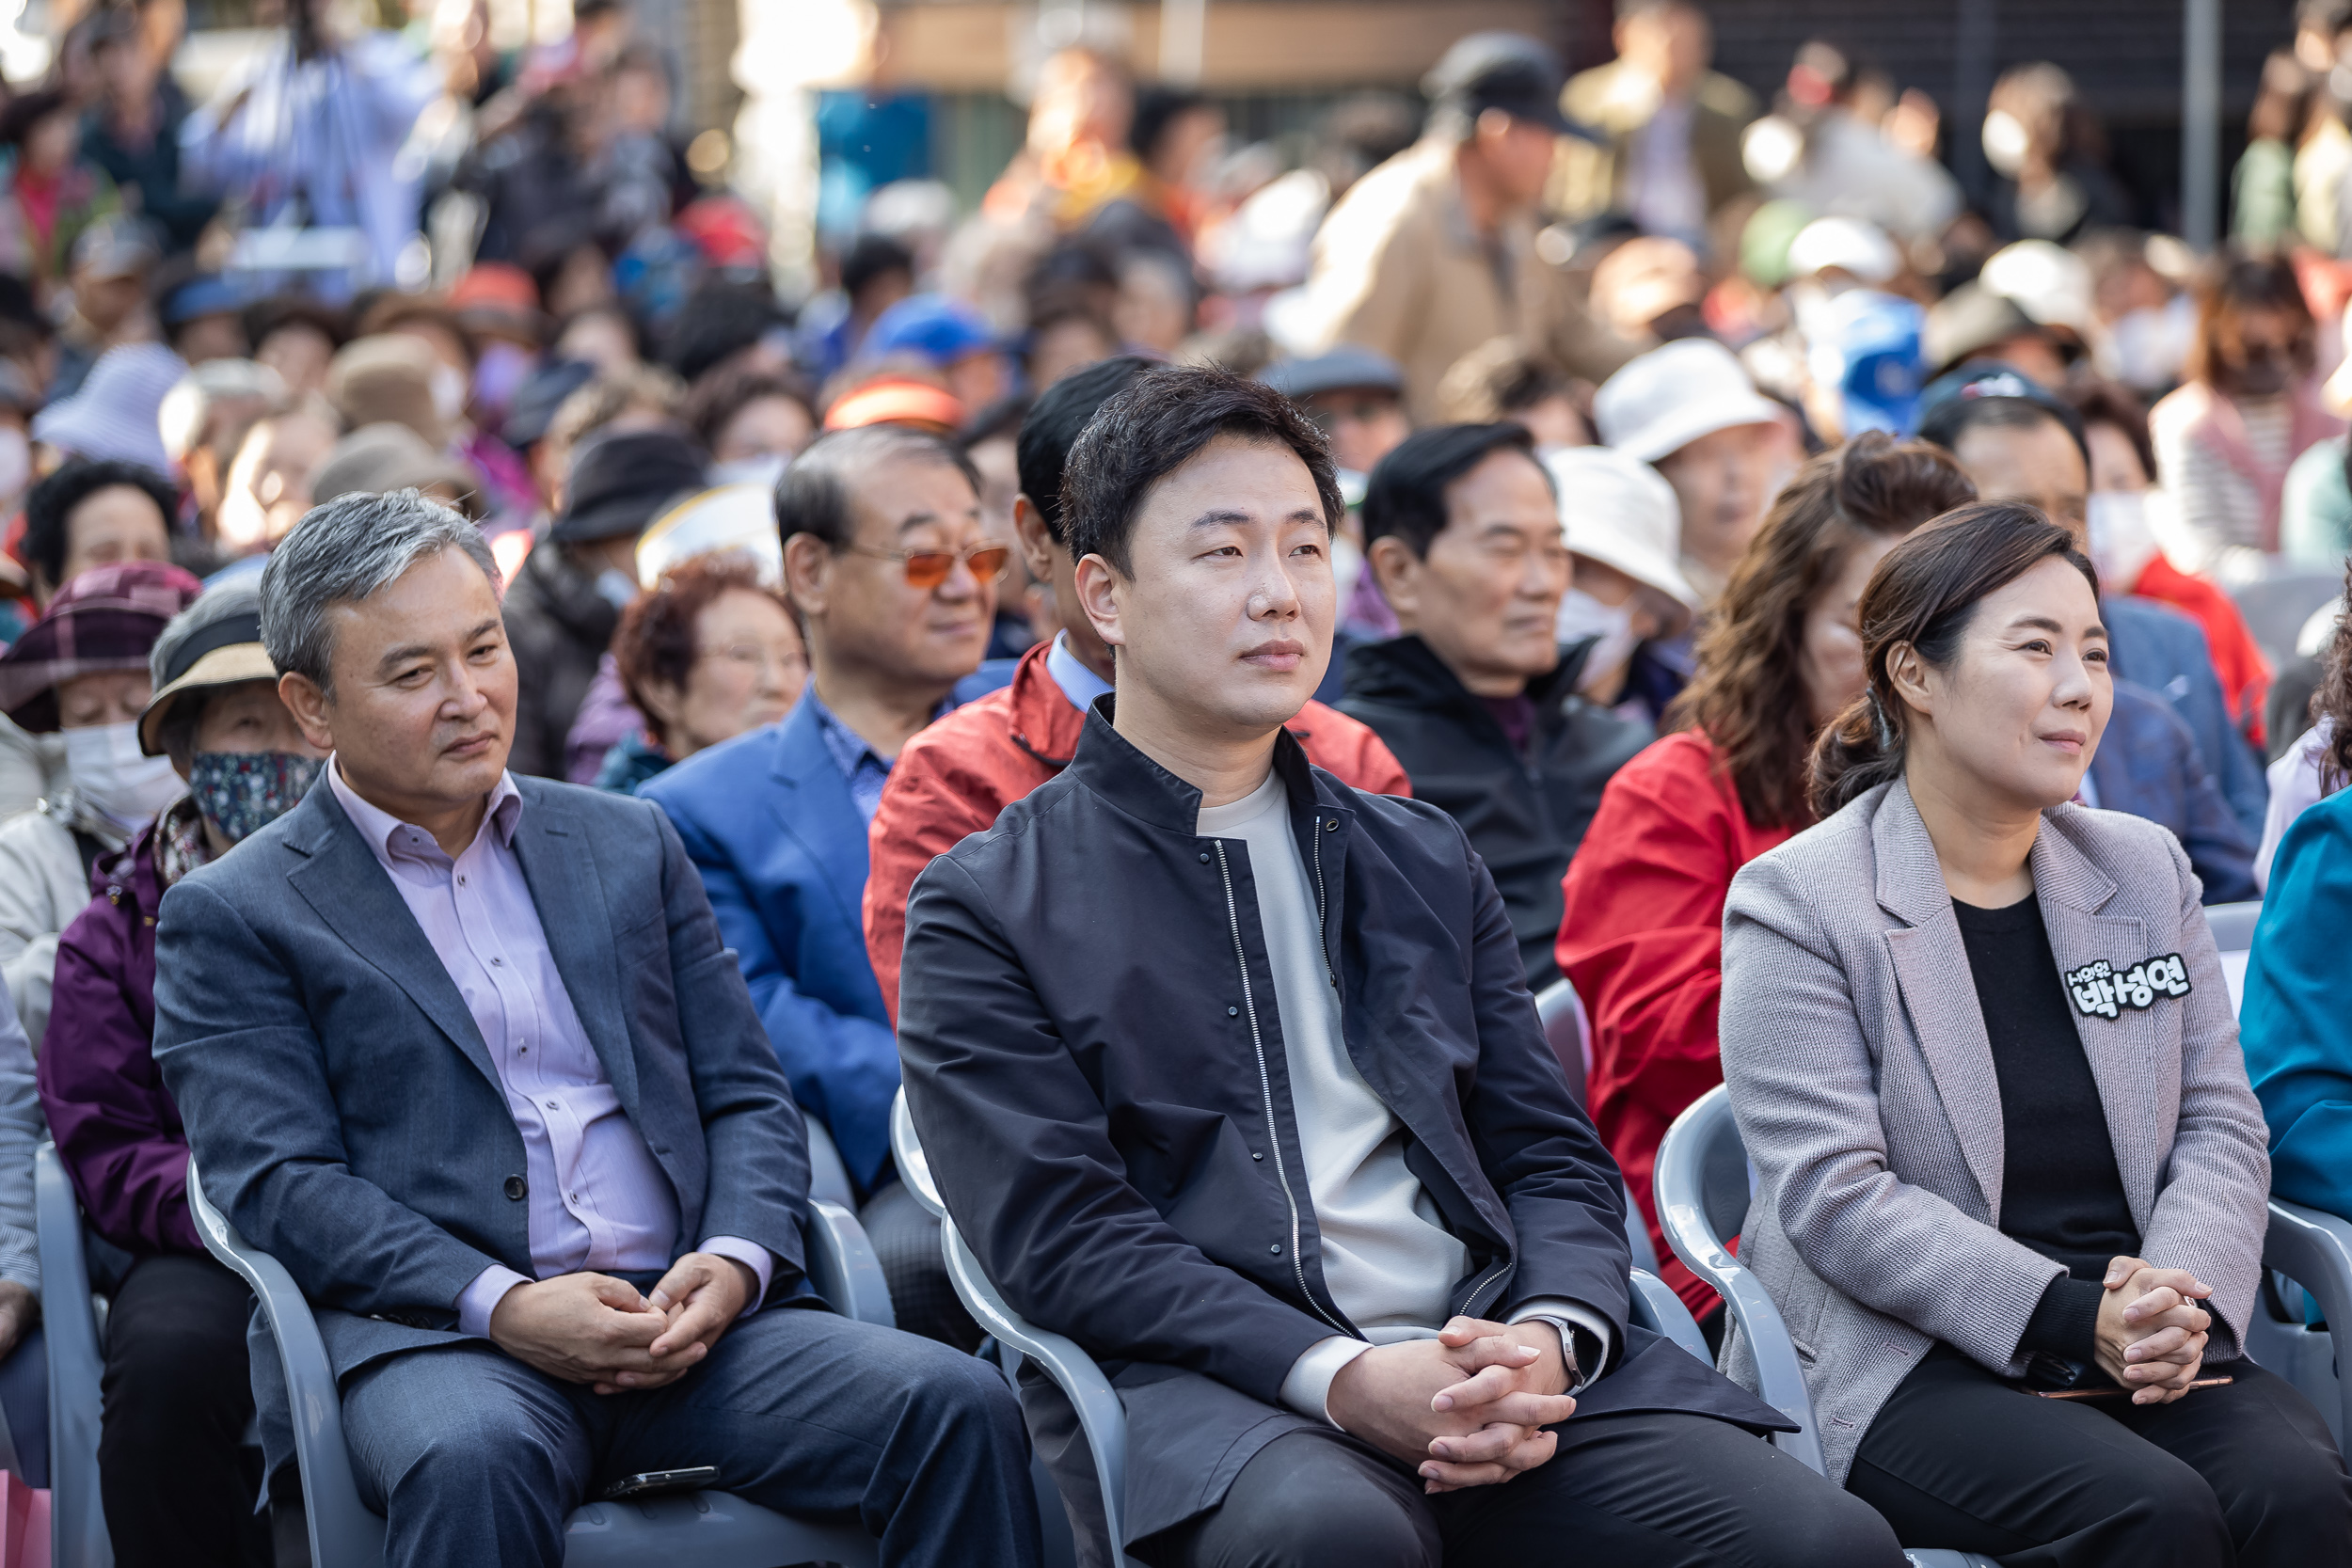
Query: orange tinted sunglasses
[(930, 568)]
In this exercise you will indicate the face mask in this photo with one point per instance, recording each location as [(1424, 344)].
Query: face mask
[(498, 375), (615, 587), (763, 470), (2006, 143), (1583, 616), (16, 462), (449, 391), (2123, 540), (242, 792), (107, 770)]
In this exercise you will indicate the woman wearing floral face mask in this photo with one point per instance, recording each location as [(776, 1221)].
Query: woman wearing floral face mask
[(83, 669), (170, 1472)]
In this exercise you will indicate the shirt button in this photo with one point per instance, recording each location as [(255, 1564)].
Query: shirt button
[(501, 961), (517, 1188), (461, 880), (550, 1104), (1233, 1012), (1333, 826)]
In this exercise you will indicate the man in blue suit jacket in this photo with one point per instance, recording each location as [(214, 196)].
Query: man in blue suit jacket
[(466, 1053), (2148, 764), (894, 584)]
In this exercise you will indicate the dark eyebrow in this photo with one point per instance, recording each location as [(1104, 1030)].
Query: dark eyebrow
[(407, 650), (1220, 517), (2044, 623)]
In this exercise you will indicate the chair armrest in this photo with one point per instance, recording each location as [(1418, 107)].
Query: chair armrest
[(828, 1178), (1660, 1310), (1101, 1415), (1682, 1213), (842, 1266), (77, 1518), (345, 1533), (2314, 1249), (906, 1151)]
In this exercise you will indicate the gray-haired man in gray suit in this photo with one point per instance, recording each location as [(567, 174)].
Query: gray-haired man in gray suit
[(465, 1052)]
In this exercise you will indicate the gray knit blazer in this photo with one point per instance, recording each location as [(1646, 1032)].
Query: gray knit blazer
[(1861, 1078)]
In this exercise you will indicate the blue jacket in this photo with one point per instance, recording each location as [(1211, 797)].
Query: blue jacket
[(2165, 650), (2147, 765), (768, 822), (346, 1114), (2293, 1025)]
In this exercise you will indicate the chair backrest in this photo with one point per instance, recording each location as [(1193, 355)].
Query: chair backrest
[(906, 1152), (77, 1518), (2232, 925), (1562, 1013), (828, 1177), (1702, 1193), (2275, 607)]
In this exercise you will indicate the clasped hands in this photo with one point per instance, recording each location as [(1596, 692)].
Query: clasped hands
[(1468, 1408), (2151, 1333), (595, 1329)]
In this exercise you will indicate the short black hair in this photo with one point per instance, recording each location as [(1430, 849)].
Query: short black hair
[(1156, 425), (1056, 420), (50, 506), (872, 257), (1947, 422), (713, 402), (812, 497), (1158, 107), (1406, 493), (719, 321), (1002, 417)]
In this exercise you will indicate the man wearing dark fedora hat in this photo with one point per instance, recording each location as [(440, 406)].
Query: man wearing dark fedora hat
[(565, 602)]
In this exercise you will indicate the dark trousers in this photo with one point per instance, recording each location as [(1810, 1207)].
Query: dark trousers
[(905, 1236), (178, 1484), (475, 1458), (2240, 1475), (1643, 1490)]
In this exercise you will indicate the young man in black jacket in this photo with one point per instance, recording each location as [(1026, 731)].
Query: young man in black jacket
[(1475, 698), (1229, 1073)]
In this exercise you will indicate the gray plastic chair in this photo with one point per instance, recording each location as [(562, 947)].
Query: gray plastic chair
[(1562, 1013), (828, 1177), (2275, 607), (1703, 1189), (2313, 1250), (77, 1518), (712, 1529), (1102, 1417)]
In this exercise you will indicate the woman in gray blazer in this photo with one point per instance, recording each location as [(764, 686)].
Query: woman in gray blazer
[(1981, 1054)]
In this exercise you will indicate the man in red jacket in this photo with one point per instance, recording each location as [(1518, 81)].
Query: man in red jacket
[(955, 776)]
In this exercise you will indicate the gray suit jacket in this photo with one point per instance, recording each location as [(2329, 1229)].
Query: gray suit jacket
[(346, 1114), (1861, 1077)]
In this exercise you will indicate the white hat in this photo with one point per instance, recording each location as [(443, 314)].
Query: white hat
[(1617, 510), (2049, 282), (1671, 396), (1849, 244), (740, 518)]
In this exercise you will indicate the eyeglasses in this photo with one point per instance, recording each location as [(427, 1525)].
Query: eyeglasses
[(930, 568)]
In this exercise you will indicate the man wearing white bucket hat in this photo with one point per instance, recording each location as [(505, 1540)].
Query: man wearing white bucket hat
[(1689, 410), (1626, 595)]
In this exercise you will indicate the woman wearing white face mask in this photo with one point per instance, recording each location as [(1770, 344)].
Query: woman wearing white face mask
[(1628, 597), (81, 669)]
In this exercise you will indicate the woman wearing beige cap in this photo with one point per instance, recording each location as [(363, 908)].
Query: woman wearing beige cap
[(1623, 531)]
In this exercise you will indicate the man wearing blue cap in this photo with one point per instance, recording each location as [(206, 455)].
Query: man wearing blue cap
[(949, 336), (1434, 253)]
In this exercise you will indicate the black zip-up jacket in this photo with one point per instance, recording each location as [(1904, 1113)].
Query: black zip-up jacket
[(1094, 1060), (1525, 814)]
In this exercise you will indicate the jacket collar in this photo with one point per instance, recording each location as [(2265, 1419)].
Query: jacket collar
[(1911, 879), (1115, 768), (1408, 672), (1040, 718)]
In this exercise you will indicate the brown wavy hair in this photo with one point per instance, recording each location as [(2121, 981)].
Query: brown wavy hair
[(1748, 698), (1925, 593), (655, 642)]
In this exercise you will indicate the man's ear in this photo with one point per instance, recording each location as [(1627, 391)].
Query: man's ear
[(1098, 583), (311, 708), (1397, 570), (807, 573), (1035, 540)]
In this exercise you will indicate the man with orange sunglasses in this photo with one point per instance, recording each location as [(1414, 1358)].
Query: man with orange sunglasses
[(894, 586)]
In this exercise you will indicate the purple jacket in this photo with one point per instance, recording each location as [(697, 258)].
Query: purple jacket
[(116, 1126)]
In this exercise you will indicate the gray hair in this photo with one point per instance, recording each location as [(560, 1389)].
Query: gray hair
[(351, 549)]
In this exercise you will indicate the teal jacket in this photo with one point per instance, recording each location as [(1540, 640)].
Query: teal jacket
[(2295, 1025)]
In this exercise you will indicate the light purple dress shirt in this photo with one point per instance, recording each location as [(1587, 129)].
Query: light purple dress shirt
[(598, 1200)]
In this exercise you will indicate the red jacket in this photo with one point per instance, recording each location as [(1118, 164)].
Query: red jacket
[(1642, 942), (956, 775), (2237, 658)]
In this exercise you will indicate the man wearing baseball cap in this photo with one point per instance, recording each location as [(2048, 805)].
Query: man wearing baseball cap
[(1434, 253)]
